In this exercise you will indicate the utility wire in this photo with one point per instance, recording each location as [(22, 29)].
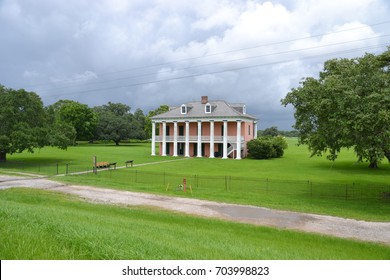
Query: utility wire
[(220, 53), (215, 72), (220, 62)]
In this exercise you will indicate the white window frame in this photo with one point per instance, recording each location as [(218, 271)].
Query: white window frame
[(183, 109), (207, 106)]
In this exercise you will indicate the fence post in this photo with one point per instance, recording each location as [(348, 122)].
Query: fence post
[(57, 168), (67, 168)]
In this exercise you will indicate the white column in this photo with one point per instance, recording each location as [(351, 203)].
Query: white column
[(153, 138), (199, 153), (255, 128), (187, 148), (225, 135), (175, 139), (238, 140), (164, 139), (211, 139)]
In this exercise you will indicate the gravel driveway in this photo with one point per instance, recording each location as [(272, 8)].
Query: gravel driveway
[(328, 225)]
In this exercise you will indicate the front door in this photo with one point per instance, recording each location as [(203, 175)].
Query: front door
[(180, 149), (220, 149), (168, 146)]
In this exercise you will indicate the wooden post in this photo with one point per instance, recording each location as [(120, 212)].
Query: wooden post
[(184, 184), (94, 161)]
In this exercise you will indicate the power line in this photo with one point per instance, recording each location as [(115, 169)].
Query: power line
[(220, 53), (216, 72), (226, 61)]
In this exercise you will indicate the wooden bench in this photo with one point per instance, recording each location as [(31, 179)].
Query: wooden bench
[(105, 164), (102, 164), (129, 162)]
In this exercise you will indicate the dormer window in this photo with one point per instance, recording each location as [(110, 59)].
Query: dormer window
[(183, 109), (208, 108), (244, 109)]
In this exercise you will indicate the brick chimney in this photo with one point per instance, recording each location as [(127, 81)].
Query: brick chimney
[(205, 99)]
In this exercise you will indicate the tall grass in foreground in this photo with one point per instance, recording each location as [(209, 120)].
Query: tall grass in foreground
[(37, 224)]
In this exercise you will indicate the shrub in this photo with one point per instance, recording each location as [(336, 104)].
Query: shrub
[(267, 147)]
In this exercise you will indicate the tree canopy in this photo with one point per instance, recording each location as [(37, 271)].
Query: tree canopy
[(24, 124), (82, 118), (148, 121), (116, 123), (347, 106)]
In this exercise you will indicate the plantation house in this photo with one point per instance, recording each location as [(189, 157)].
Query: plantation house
[(204, 129)]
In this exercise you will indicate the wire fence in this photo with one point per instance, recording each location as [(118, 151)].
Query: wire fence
[(50, 169), (262, 186), (227, 184)]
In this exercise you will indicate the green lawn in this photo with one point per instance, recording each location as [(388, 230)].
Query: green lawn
[(78, 158), (37, 224), (295, 182)]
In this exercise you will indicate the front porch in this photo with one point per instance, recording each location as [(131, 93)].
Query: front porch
[(200, 138), (205, 149)]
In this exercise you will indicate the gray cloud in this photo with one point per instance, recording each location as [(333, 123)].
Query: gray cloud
[(148, 53)]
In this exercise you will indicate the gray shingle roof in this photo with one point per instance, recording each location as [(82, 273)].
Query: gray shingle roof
[(219, 109)]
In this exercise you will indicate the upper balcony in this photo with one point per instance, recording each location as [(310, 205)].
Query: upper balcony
[(194, 139)]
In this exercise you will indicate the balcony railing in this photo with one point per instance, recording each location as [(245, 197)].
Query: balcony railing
[(194, 139)]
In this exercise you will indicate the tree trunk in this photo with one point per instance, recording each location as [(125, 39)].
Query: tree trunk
[(387, 155), (3, 156), (374, 164)]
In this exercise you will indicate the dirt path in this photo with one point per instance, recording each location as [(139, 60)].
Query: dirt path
[(328, 225)]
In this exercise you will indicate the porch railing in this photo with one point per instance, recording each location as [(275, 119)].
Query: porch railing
[(194, 139)]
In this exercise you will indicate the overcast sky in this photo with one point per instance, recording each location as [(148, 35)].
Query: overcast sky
[(146, 53)]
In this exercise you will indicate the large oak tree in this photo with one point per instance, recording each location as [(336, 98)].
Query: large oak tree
[(24, 124), (347, 106), (117, 123), (82, 118)]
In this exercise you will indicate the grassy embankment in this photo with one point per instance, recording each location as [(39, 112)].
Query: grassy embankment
[(36, 224)]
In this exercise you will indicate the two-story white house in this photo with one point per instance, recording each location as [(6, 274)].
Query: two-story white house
[(204, 129)]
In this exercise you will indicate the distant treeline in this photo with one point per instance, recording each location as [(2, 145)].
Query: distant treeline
[(273, 131)]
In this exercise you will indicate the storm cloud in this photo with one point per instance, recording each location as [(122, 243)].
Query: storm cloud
[(149, 53)]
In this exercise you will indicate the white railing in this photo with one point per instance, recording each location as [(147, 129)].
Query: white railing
[(204, 139), (231, 149)]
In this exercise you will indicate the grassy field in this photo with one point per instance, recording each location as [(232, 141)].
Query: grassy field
[(37, 224), (294, 182), (78, 158), (295, 165)]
